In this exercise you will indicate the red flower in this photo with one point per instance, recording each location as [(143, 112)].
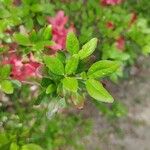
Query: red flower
[(22, 70), (110, 25), (59, 31), (110, 2), (120, 43)]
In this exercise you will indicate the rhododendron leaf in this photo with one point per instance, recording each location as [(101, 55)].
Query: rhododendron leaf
[(72, 43), (61, 56), (33, 36), (31, 147), (41, 19), (50, 89), (6, 86), (70, 83), (40, 45), (5, 71), (54, 65), (88, 48), (72, 65), (22, 39), (102, 68), (36, 8), (29, 23), (4, 13), (47, 33), (97, 91)]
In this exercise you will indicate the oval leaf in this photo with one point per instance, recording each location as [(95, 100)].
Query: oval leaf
[(22, 39), (72, 43), (72, 65), (6, 86), (50, 89), (88, 48), (102, 68), (70, 84), (54, 65), (97, 91)]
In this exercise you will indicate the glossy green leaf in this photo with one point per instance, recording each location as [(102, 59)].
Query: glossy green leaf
[(47, 33), (6, 86), (72, 65), (88, 48), (97, 91), (72, 43), (54, 65), (70, 84), (22, 39), (50, 89), (5, 71), (102, 68)]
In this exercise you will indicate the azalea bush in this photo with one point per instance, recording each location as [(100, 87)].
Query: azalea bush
[(53, 55)]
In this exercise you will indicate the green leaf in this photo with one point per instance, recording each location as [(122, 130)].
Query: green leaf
[(102, 68), (3, 139), (88, 48), (14, 146), (70, 84), (72, 43), (61, 56), (72, 65), (6, 86), (54, 65), (5, 71), (47, 33), (22, 39), (31, 147), (36, 8), (97, 91), (4, 13), (50, 89)]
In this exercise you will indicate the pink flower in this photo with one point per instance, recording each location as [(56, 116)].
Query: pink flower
[(22, 70), (110, 2), (59, 31), (120, 43)]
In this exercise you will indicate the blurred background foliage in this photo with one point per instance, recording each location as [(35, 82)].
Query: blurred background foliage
[(21, 123)]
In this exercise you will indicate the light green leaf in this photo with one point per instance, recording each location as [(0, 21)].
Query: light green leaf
[(102, 68), (50, 89), (22, 39), (47, 33), (4, 13), (54, 65), (14, 146), (70, 84), (5, 71), (6, 86), (36, 8), (72, 43), (97, 91), (31, 147), (88, 48), (72, 65)]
